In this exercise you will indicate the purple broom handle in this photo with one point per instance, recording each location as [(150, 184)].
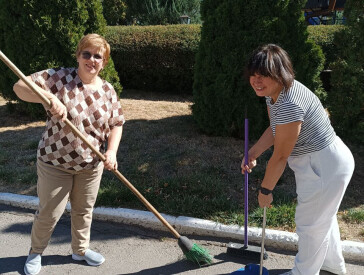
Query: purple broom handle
[(246, 178)]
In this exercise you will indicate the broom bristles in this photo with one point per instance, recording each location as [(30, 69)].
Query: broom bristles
[(198, 255)]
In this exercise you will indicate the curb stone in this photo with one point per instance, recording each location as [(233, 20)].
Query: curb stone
[(191, 226)]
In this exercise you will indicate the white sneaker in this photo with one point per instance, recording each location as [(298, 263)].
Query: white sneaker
[(91, 257), (334, 270), (33, 264)]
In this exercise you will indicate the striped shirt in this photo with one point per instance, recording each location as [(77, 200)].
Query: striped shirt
[(94, 112), (300, 104)]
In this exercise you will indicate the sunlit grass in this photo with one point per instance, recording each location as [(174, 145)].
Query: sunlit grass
[(178, 169), (354, 215)]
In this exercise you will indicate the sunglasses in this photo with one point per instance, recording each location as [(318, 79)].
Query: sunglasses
[(87, 55)]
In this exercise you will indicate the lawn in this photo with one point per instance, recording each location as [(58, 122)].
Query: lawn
[(180, 170)]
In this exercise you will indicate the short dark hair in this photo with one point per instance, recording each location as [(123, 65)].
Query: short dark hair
[(272, 61)]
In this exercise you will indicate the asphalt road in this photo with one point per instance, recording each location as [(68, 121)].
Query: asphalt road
[(128, 250)]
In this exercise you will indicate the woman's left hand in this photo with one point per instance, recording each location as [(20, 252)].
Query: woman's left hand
[(265, 200), (111, 161)]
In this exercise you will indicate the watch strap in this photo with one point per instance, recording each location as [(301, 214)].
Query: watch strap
[(265, 191)]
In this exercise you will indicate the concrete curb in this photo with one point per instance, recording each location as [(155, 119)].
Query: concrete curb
[(191, 226)]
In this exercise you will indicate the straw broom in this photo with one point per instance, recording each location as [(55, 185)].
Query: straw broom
[(192, 251)]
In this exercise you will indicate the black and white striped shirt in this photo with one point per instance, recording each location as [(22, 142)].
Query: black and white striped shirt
[(300, 104)]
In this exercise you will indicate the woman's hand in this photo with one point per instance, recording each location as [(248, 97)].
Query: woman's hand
[(57, 108), (265, 200), (111, 162), (251, 164)]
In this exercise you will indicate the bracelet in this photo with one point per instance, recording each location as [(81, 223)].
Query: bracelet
[(265, 191)]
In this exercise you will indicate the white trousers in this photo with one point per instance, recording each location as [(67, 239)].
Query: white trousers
[(321, 181)]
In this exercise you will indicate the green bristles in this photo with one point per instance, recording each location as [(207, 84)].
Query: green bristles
[(198, 255)]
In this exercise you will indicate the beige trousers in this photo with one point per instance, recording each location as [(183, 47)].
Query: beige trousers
[(55, 187)]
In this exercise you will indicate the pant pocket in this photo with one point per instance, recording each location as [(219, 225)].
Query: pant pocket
[(307, 175)]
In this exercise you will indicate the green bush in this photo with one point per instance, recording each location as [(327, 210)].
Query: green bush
[(162, 12), (346, 98), (323, 35), (155, 58), (114, 12), (37, 35), (130, 60), (229, 34)]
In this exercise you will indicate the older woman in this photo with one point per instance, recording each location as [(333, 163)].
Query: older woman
[(302, 135), (67, 169)]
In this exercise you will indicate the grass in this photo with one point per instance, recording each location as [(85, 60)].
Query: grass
[(178, 169), (17, 165), (354, 215), (3, 158)]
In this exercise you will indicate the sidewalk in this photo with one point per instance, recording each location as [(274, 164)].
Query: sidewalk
[(192, 226)]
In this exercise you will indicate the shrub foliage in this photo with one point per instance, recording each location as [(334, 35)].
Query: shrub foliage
[(162, 12), (36, 35), (231, 30), (346, 98), (155, 58), (114, 12), (323, 35), (139, 66)]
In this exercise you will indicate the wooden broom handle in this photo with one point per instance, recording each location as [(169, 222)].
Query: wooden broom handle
[(32, 86)]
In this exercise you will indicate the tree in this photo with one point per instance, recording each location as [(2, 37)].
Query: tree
[(163, 12), (114, 12), (231, 30), (346, 98), (37, 35)]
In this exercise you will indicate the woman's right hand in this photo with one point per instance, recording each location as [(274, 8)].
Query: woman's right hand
[(57, 108), (28, 94), (265, 200), (251, 164)]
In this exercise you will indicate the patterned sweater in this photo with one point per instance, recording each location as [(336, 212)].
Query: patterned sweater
[(94, 113)]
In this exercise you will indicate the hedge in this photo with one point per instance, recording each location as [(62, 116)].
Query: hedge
[(151, 65), (155, 58)]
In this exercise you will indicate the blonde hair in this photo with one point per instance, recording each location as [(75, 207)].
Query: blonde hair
[(94, 40)]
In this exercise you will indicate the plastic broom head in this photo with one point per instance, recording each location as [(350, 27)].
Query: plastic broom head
[(199, 255), (194, 252)]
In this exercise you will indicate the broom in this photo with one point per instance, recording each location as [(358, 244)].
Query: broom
[(249, 251), (192, 251)]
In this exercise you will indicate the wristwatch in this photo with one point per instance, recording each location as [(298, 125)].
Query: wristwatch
[(265, 191)]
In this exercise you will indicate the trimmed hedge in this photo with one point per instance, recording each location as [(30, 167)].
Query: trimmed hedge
[(155, 58), (140, 65)]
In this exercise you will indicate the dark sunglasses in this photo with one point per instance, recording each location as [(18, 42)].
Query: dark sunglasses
[(87, 55)]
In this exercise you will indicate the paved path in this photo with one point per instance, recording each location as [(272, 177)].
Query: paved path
[(127, 249)]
